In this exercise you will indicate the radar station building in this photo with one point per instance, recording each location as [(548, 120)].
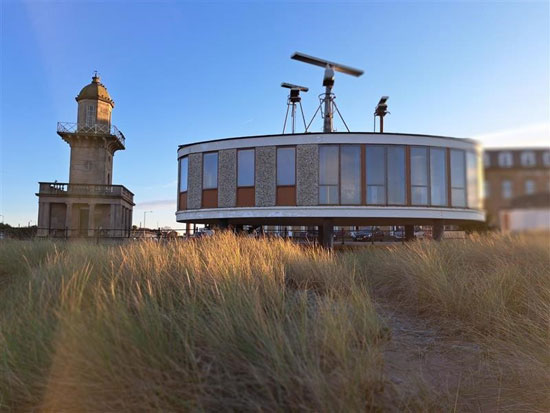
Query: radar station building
[(89, 205), (331, 178)]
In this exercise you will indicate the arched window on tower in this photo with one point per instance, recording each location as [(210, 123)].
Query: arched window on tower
[(90, 115)]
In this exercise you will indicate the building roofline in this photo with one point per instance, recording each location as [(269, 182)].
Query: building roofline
[(324, 133), (516, 149)]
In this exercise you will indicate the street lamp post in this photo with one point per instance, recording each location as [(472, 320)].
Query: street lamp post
[(145, 217)]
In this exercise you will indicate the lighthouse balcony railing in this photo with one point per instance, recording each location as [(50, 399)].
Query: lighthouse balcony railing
[(98, 128), (60, 188)]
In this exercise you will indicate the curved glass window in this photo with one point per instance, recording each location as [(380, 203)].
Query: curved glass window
[(350, 170), (184, 164), (328, 174), (286, 166), (396, 175), (419, 176), (245, 167), (458, 178), (210, 170), (376, 174), (438, 177)]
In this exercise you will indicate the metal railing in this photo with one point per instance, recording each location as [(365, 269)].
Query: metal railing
[(98, 128), (58, 188)]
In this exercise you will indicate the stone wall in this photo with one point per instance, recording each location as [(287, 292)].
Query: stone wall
[(194, 181), (227, 176), (307, 175), (266, 174)]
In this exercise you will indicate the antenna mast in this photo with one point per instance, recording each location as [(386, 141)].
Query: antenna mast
[(327, 99), (293, 99)]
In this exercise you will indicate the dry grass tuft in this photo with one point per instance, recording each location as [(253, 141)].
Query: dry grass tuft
[(231, 323), (494, 289), (225, 323)]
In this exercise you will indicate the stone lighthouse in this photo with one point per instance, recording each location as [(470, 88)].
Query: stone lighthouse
[(88, 205)]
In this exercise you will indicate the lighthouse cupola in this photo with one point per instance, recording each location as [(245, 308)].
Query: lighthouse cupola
[(94, 105)]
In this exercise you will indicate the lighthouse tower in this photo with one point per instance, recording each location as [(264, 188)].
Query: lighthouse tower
[(89, 204)]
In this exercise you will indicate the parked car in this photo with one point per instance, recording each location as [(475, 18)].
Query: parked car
[(205, 232), (399, 235), (368, 235)]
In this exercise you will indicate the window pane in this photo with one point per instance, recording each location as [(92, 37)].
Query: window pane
[(419, 195), (459, 197), (438, 176), (328, 194), (376, 165), (286, 166), (183, 174), (529, 187), (210, 170), (419, 166), (245, 170), (328, 165), (473, 176), (506, 189), (350, 163), (396, 175), (457, 168), (376, 194)]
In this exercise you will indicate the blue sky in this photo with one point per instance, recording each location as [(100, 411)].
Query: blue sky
[(187, 71)]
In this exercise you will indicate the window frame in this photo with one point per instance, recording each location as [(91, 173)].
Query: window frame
[(446, 176), (531, 183), (366, 177), (528, 159), (358, 146), (427, 186), (505, 159), (502, 191), (464, 178), (337, 185), (277, 166), (186, 157), (253, 149), (204, 154)]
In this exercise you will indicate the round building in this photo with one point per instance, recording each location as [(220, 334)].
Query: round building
[(331, 179)]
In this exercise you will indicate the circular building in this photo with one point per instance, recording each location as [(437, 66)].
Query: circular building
[(328, 179)]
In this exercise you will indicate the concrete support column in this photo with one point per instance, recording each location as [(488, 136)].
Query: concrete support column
[(223, 225), (112, 220), (92, 230), (43, 219), (68, 219), (326, 231), (437, 231), (409, 232)]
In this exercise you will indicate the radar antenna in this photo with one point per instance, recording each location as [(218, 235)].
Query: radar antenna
[(293, 99), (381, 110), (327, 99)]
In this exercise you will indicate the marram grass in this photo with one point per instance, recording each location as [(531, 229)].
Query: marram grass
[(226, 323), (236, 324)]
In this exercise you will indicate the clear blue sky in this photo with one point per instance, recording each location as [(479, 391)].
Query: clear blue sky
[(187, 71)]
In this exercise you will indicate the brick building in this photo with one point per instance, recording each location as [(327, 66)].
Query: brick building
[(511, 174)]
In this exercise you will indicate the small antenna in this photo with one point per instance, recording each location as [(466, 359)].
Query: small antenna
[(327, 99), (381, 110), (293, 99)]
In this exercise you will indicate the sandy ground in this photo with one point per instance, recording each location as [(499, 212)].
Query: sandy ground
[(427, 369)]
